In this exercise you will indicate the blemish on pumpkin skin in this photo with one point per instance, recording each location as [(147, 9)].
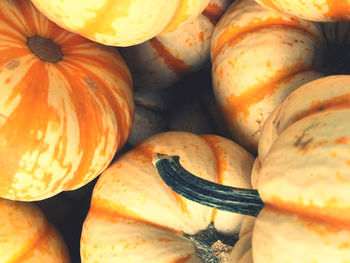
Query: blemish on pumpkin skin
[(90, 83), (341, 178), (342, 140), (12, 64)]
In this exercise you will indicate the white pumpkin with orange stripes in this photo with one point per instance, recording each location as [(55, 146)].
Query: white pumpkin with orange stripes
[(303, 179), (26, 236), (120, 23), (320, 10), (259, 56), (135, 217), (158, 63), (66, 105)]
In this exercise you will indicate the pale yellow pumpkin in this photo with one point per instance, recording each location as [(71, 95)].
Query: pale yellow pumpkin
[(120, 23), (27, 237), (135, 217)]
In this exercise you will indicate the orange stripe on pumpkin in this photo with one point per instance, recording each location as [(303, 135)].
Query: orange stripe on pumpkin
[(338, 9), (220, 163), (101, 22), (180, 15), (333, 215), (102, 208), (213, 12), (238, 106), (336, 103), (41, 233), (234, 34), (176, 65)]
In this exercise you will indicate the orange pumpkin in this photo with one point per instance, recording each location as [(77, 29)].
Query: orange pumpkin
[(26, 236), (66, 105)]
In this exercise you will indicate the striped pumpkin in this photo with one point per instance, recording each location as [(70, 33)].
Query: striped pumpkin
[(260, 56), (320, 10), (120, 23), (302, 200), (66, 105), (26, 236), (135, 217), (160, 62)]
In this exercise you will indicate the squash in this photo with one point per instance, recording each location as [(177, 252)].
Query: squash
[(323, 11), (303, 178), (120, 23), (26, 236), (260, 56), (161, 61), (135, 217), (66, 105)]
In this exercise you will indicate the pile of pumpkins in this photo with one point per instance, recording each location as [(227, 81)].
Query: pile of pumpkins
[(249, 94)]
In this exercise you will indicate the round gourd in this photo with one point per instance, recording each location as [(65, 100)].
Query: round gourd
[(135, 217), (66, 105), (26, 236), (303, 178), (120, 23), (160, 62), (260, 56), (320, 10)]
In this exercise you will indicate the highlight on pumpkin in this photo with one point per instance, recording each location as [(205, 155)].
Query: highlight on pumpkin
[(120, 23)]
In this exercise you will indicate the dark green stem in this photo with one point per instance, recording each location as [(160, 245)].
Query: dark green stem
[(227, 198)]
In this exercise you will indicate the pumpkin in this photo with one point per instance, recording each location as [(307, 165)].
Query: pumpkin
[(66, 105), (260, 56), (26, 236), (324, 11), (161, 61), (120, 23), (135, 217), (303, 178)]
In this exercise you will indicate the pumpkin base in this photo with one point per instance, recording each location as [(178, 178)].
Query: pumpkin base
[(45, 49), (211, 246)]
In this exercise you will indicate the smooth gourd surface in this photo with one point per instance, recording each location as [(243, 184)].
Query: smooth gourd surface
[(303, 177), (135, 217), (121, 23), (60, 123), (26, 236), (320, 10)]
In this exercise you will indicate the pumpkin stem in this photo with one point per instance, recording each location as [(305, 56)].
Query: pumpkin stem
[(222, 197), (45, 49)]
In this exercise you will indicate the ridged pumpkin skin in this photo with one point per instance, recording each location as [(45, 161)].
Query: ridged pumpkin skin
[(26, 236), (120, 23), (304, 177), (160, 62), (135, 217), (60, 123), (320, 10), (259, 57)]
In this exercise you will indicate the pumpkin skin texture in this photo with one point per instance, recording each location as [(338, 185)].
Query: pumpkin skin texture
[(304, 177), (259, 57), (160, 62), (142, 220), (321, 10), (61, 122), (26, 236), (120, 23)]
